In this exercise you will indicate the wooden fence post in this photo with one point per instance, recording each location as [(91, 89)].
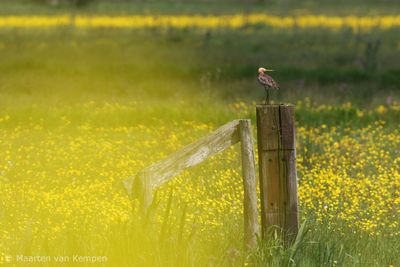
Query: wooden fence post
[(250, 213), (277, 168)]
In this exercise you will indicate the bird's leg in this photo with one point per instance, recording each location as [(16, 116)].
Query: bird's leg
[(267, 95)]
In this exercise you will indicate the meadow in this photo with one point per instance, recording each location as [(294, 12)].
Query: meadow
[(83, 108)]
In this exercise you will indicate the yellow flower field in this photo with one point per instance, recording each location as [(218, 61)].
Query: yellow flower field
[(66, 178), (356, 23)]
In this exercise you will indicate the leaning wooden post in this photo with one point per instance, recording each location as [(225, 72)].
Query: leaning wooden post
[(250, 213), (153, 176), (144, 190), (277, 168)]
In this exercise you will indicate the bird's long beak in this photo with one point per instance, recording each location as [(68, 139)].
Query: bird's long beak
[(269, 70)]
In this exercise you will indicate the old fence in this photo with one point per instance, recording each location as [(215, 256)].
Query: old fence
[(277, 170)]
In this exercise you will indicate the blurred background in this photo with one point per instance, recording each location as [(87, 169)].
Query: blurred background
[(325, 61)]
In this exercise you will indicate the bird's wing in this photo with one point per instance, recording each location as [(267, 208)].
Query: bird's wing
[(262, 79), (267, 80)]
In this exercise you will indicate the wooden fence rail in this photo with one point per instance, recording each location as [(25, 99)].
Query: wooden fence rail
[(153, 176)]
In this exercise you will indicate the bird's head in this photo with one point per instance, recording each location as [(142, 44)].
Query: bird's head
[(262, 70)]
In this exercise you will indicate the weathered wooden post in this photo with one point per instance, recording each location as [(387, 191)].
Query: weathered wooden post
[(250, 212), (277, 168)]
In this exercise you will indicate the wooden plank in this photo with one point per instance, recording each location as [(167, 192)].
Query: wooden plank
[(288, 172), (289, 195), (250, 212), (278, 180), (272, 188), (268, 157), (261, 167), (155, 175), (288, 135), (268, 126)]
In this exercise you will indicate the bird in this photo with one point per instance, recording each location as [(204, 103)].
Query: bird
[(267, 82)]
